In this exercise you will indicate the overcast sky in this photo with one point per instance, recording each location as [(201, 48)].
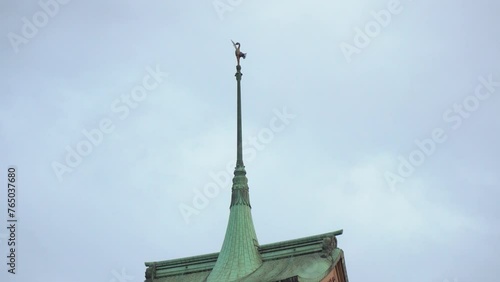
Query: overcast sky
[(376, 117)]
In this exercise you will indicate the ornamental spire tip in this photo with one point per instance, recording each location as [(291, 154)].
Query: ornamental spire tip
[(237, 52)]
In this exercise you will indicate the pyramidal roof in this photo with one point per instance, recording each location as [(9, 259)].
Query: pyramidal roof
[(239, 255)]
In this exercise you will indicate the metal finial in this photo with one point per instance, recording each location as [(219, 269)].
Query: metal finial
[(237, 52)]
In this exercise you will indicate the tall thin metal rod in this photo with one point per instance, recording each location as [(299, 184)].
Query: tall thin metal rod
[(239, 141)]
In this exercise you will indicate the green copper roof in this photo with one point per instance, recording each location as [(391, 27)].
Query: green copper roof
[(309, 258), (239, 255)]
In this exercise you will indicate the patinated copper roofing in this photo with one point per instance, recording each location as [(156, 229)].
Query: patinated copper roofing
[(309, 259)]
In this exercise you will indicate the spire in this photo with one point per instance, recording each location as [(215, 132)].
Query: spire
[(239, 255), (240, 181), (239, 142)]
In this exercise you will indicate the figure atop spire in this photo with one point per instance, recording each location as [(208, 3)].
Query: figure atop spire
[(238, 53)]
